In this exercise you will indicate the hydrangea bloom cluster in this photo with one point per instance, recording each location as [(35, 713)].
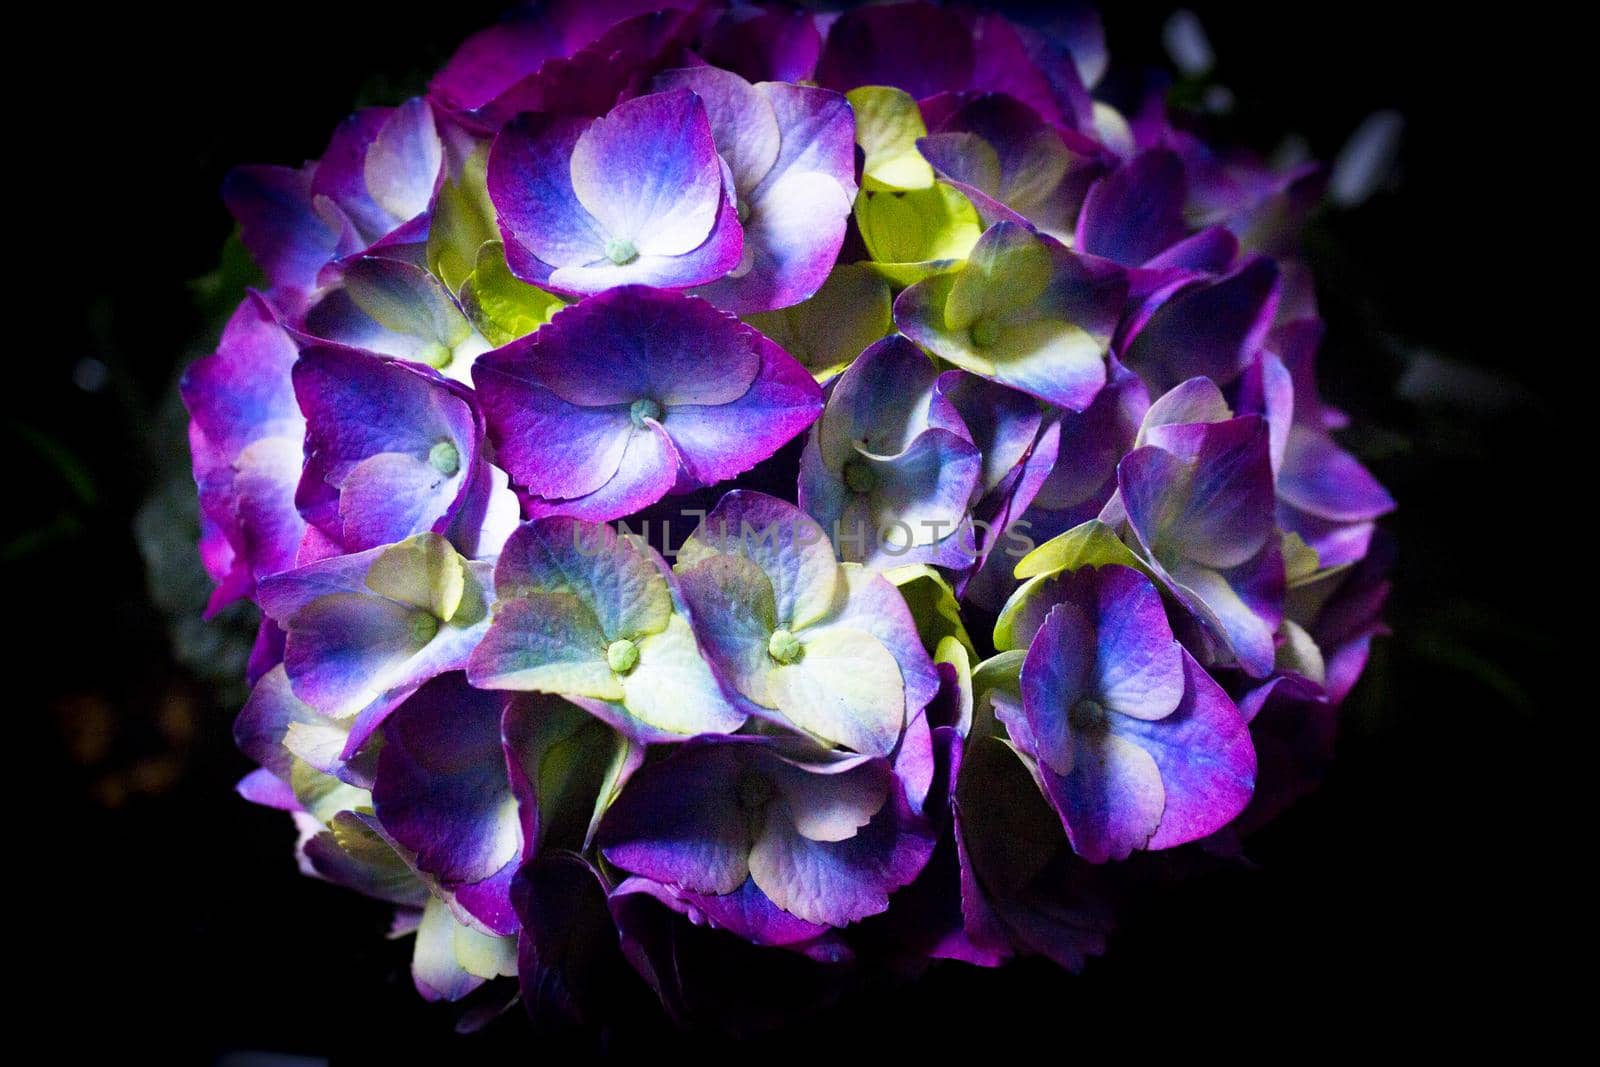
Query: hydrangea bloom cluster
[(914, 339)]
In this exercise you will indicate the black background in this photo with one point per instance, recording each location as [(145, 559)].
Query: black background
[(1405, 901)]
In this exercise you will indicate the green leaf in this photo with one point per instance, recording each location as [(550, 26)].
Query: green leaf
[(888, 126), (502, 306), (827, 332), (933, 606)]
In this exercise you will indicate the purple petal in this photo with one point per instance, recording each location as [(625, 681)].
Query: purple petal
[(679, 821), (396, 440), (280, 225), (1205, 758), (1136, 212), (1057, 673), (530, 184), (441, 788), (1323, 479), (916, 47), (1211, 329)]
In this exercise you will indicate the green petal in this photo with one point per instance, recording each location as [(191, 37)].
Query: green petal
[(423, 571), (888, 126), (1006, 271), (933, 606), (846, 689), (463, 219), (916, 234), (672, 687), (324, 796), (1090, 544), (546, 643), (502, 306), (828, 331)]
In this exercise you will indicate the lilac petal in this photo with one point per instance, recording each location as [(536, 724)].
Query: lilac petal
[(266, 789), (1228, 513), (919, 498), (1205, 758), (1242, 605), (1335, 543), (1197, 400), (750, 914), (648, 173), (1323, 479), (377, 430), (1136, 212), (831, 801), (548, 446), (743, 126), (441, 788), (679, 821), (279, 223), (879, 403), (345, 650), (403, 165), (735, 615), (1003, 422), (796, 217), (245, 434), (636, 342), (544, 642), (496, 58), (267, 718), (1057, 673), (1215, 509), (1112, 801), (873, 605), (1211, 329), (836, 883), (1010, 162), (916, 47), (341, 172)]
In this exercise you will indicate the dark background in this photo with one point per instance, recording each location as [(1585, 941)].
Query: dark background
[(1405, 901)]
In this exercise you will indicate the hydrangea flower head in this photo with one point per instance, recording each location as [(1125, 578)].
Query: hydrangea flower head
[(632, 434)]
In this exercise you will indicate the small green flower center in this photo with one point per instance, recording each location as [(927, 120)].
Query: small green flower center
[(1087, 714), (622, 656), (752, 789), (784, 646), (436, 354), (643, 408), (859, 477), (424, 625), (620, 251), (444, 457), (744, 211), (985, 332)]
